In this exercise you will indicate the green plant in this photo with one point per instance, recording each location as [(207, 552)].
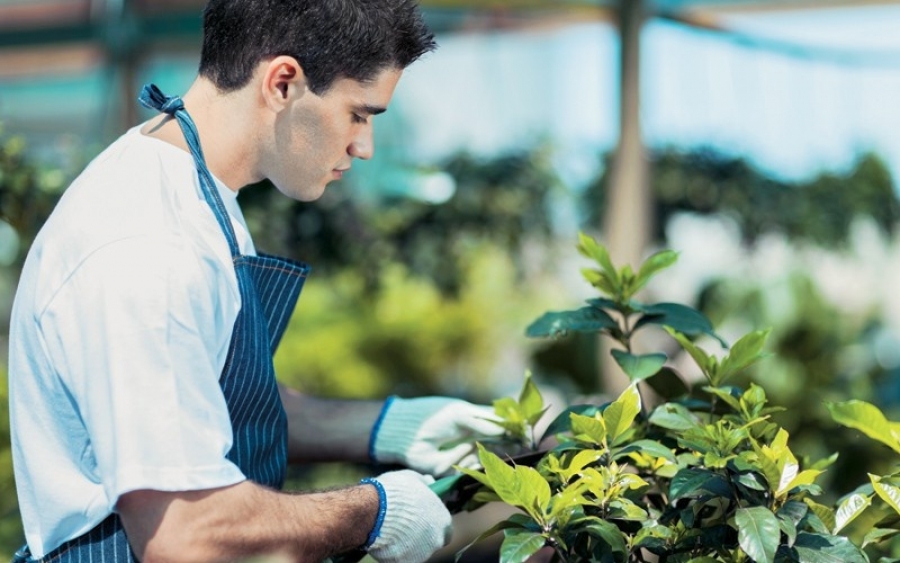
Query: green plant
[(871, 513), (704, 476)]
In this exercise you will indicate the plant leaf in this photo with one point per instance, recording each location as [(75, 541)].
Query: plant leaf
[(820, 548), (531, 401), (877, 535), (519, 546), (700, 357), (608, 532), (590, 248), (745, 351), (668, 384), (640, 367), (589, 428), (690, 480), (867, 418), (655, 263), (620, 414), (563, 421), (502, 525), (850, 508), (680, 318), (647, 447), (556, 323), (518, 486), (888, 493), (758, 533), (673, 416)]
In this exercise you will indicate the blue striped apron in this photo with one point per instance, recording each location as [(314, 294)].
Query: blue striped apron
[(269, 288)]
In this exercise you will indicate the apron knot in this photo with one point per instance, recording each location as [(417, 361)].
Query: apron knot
[(152, 97)]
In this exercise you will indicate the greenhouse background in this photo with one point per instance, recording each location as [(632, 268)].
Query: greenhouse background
[(759, 139)]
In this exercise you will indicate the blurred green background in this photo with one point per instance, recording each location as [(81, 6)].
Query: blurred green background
[(765, 157)]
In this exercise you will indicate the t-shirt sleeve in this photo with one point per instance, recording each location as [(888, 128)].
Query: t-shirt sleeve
[(138, 334)]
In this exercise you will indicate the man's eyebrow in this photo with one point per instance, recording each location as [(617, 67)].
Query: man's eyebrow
[(371, 110)]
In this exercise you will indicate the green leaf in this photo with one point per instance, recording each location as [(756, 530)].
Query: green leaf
[(509, 523), (589, 428), (820, 548), (867, 418), (822, 513), (600, 280), (519, 546), (724, 393), (565, 501), (518, 486), (758, 533), (668, 384), (602, 529), (878, 535), (700, 357), (655, 263), (556, 323), (641, 367), (681, 318), (888, 493), (850, 508), (590, 248), (673, 416), (563, 421), (690, 480), (745, 351), (620, 414), (647, 447), (531, 401)]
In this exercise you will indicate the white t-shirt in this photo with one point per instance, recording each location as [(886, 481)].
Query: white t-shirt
[(119, 333)]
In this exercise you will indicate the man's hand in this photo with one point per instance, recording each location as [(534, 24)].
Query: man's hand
[(432, 434), (413, 522)]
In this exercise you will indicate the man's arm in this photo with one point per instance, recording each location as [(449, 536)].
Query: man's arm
[(328, 429), (246, 520)]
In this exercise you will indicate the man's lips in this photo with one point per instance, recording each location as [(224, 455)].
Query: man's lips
[(339, 172)]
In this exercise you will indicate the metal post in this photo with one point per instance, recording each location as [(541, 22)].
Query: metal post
[(627, 221)]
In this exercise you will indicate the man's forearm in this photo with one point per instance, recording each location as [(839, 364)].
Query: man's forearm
[(328, 429), (246, 520)]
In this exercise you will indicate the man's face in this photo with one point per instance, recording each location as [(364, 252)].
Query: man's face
[(317, 139)]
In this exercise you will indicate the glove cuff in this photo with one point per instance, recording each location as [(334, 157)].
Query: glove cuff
[(395, 430), (376, 428), (382, 509)]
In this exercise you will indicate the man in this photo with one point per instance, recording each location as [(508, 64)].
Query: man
[(147, 423)]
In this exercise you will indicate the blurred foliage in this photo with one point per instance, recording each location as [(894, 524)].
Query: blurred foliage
[(28, 191), (405, 337), (10, 525), (504, 200), (819, 354), (819, 210)]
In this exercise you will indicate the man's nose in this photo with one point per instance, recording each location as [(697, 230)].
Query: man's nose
[(363, 146)]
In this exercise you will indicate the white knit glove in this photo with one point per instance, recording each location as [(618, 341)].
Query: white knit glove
[(431, 434), (412, 521)]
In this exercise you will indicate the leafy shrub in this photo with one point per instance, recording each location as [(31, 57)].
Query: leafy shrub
[(703, 476)]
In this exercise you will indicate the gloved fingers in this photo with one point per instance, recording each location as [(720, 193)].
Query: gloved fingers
[(476, 419), (441, 462), (470, 461)]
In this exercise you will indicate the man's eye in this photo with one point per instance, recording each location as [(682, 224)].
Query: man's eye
[(359, 118)]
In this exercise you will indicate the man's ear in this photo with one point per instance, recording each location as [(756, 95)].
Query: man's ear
[(283, 82)]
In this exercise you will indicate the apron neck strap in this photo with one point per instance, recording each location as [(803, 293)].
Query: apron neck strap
[(151, 97)]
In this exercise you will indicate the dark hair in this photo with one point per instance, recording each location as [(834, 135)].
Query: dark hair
[(330, 39)]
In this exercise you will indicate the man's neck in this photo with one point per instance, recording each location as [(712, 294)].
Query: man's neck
[(225, 125)]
